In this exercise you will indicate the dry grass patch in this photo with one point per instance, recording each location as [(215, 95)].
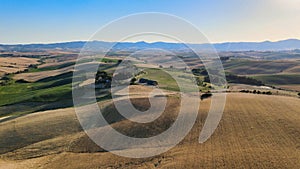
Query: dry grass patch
[(15, 64), (256, 131)]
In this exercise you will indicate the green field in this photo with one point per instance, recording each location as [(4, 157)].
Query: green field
[(44, 92), (279, 79), (253, 67), (21, 97), (166, 81)]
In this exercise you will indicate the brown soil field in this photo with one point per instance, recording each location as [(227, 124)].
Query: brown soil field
[(290, 87), (256, 131), (35, 76), (295, 69), (18, 60), (15, 64)]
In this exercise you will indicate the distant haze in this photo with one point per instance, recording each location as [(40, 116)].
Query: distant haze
[(289, 44)]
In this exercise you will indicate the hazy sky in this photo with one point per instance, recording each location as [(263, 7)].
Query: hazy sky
[(36, 21)]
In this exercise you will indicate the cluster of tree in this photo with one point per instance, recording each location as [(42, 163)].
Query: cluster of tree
[(243, 80), (256, 92), (4, 80), (161, 66), (6, 54), (200, 72), (119, 61), (102, 77), (199, 82), (206, 95), (225, 58), (133, 81), (21, 81), (33, 66)]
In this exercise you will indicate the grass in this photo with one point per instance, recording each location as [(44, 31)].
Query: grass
[(48, 93), (37, 92), (279, 79), (39, 95), (167, 81), (107, 60), (251, 67), (164, 80)]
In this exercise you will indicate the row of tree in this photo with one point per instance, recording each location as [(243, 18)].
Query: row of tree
[(256, 92)]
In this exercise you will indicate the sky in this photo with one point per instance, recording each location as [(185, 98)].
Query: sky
[(47, 21)]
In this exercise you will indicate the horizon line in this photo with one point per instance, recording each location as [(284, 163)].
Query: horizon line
[(149, 42)]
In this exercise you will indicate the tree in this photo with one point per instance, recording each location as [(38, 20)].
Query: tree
[(245, 91), (102, 77), (206, 95), (32, 66), (199, 82), (269, 93), (200, 72), (299, 94), (119, 61), (132, 81)]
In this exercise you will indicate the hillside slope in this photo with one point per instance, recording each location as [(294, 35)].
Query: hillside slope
[(256, 131)]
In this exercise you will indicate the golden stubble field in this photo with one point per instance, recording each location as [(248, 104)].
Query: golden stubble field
[(256, 131), (35, 76), (15, 64)]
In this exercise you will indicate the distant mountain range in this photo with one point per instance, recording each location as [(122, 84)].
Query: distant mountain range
[(288, 44)]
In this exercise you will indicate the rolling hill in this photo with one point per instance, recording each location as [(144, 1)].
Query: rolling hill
[(262, 136)]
